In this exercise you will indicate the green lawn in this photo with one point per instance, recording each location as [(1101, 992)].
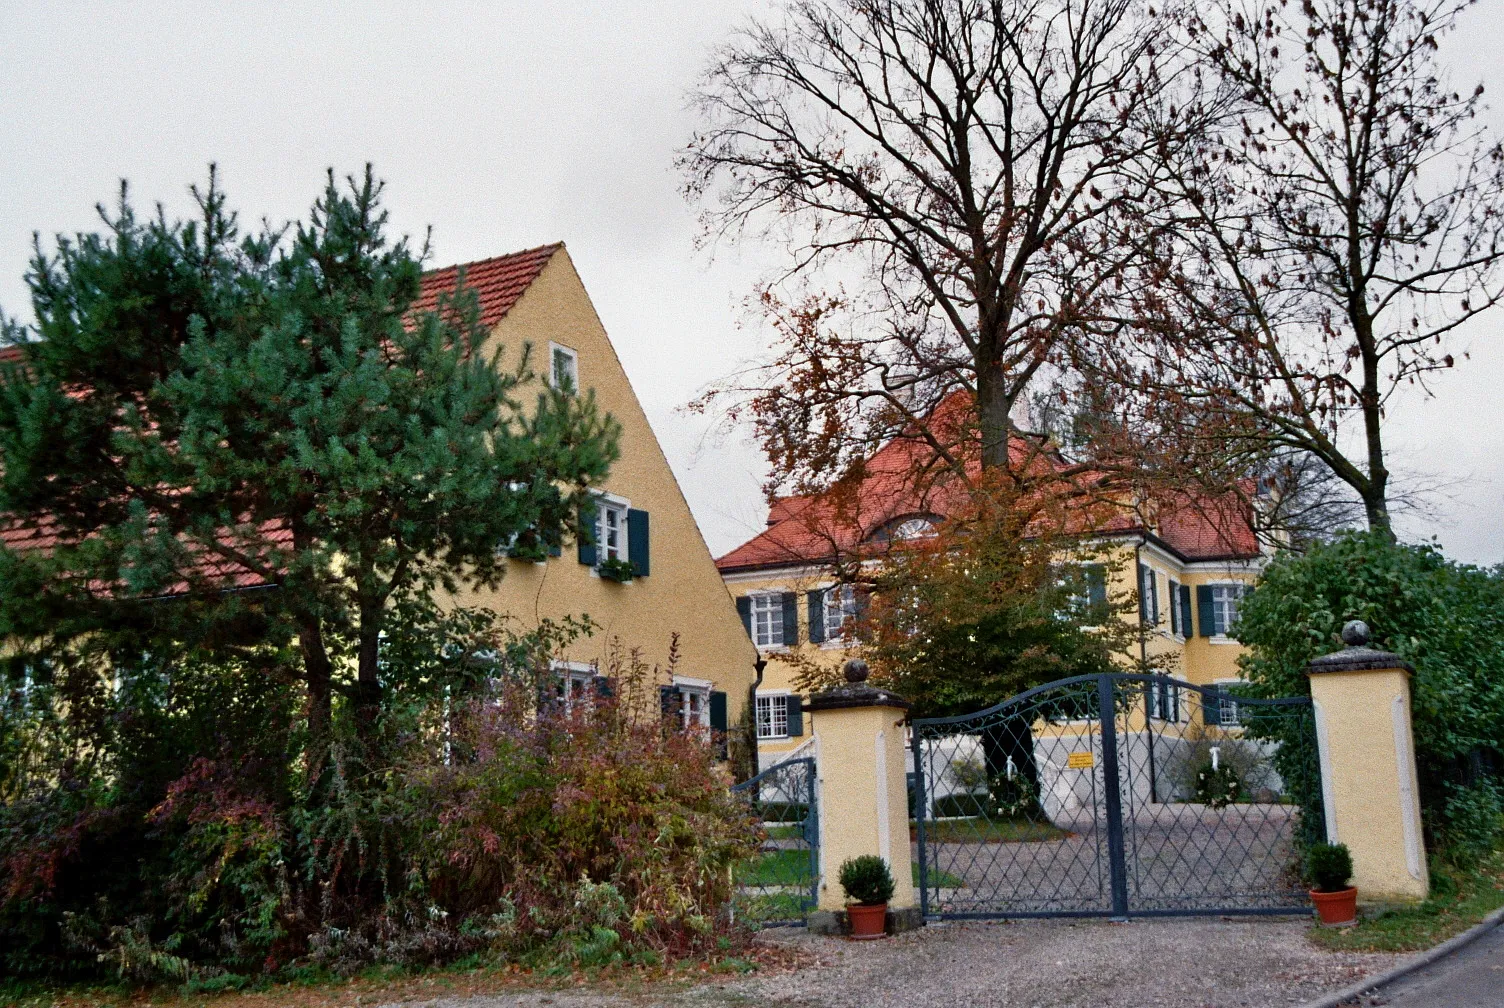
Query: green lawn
[(1459, 900), (987, 831), (792, 868)]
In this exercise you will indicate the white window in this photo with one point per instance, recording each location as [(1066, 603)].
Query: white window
[(1163, 700), (610, 530), (690, 699), (772, 717), (840, 606), (912, 528), (767, 620), (1226, 715), (563, 368), (574, 685), (1148, 594), (1225, 598)]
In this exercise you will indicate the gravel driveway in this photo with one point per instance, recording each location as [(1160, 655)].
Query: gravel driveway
[(1166, 963), (1179, 856)]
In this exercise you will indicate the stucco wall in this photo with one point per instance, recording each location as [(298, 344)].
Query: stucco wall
[(1193, 658), (684, 592)]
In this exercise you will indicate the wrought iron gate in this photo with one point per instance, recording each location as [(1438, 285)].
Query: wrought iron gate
[(1112, 795), (781, 884)]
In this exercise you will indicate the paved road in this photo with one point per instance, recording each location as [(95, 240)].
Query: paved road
[(1472, 977)]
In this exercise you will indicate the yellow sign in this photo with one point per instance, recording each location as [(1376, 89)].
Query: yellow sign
[(1081, 760)]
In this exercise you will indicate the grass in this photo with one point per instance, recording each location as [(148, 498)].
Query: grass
[(792, 868), (988, 831), (474, 975), (1459, 900)]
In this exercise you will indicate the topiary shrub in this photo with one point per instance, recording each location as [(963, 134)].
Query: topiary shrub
[(1329, 867), (867, 880)]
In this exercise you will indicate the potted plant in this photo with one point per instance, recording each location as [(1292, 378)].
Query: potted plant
[(616, 570), (1330, 866), (869, 886)]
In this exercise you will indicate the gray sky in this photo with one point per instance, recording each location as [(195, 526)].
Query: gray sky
[(509, 125)]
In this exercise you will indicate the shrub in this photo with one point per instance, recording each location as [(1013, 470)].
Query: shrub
[(485, 824), (1447, 619), (867, 880), (1329, 867), (1218, 787), (1011, 796)]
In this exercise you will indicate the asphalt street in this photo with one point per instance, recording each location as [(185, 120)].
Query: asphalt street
[(1472, 977)]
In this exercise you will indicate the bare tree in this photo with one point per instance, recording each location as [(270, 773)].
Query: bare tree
[(945, 176), (1332, 234)]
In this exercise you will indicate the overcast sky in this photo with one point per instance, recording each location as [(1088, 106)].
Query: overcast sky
[(509, 125)]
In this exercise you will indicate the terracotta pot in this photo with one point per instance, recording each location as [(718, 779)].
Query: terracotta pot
[(867, 920), (1337, 909)]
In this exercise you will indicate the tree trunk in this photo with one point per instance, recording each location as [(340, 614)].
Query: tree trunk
[(368, 676), (316, 672), (1009, 746), (1375, 492), (993, 406)]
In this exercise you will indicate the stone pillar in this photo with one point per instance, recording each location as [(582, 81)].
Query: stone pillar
[(1368, 780), (863, 793)]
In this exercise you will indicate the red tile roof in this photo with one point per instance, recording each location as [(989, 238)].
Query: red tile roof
[(497, 282), (819, 529)]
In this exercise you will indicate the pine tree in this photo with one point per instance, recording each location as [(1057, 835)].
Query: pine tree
[(197, 406)]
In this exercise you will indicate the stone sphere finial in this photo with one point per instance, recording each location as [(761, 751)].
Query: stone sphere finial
[(856, 670), (1355, 633)]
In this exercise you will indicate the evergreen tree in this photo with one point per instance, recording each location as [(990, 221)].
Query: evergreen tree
[(263, 431)]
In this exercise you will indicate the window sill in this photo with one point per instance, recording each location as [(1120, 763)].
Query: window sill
[(773, 738), (772, 649), (840, 644), (1223, 639)]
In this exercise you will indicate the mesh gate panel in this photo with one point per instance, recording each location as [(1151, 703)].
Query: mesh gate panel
[(1181, 800)]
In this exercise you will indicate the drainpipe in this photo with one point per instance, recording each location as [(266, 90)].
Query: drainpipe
[(1143, 665), (759, 665)]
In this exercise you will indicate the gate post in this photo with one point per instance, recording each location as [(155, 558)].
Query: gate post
[(1368, 783), (863, 806)]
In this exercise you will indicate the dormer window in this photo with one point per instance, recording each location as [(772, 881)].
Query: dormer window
[(564, 368), (912, 527)]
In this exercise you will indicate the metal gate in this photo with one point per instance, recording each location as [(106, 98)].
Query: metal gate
[(1111, 795), (780, 885)]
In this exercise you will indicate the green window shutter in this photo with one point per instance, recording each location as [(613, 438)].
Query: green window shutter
[(796, 716), (1174, 606), (744, 610), (638, 542), (586, 551), (816, 616), (603, 687), (790, 618), (668, 700), (718, 722), (1143, 594), (1206, 619), (1187, 628), (1096, 591)]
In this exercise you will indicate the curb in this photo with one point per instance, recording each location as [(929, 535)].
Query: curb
[(1352, 991)]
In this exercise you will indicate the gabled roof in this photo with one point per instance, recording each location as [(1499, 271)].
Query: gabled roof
[(815, 530), (498, 282)]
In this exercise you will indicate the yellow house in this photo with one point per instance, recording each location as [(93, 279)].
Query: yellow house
[(1185, 572), (535, 298)]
